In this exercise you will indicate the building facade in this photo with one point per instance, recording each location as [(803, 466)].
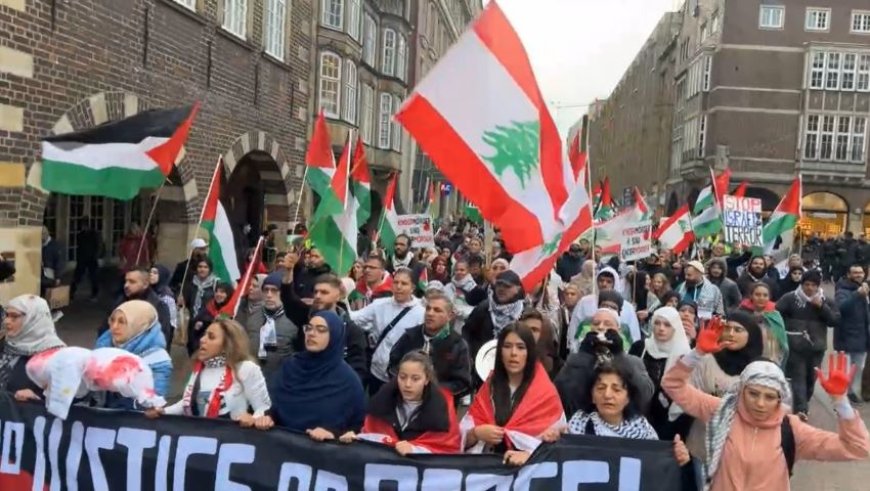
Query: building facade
[(772, 89), (68, 66)]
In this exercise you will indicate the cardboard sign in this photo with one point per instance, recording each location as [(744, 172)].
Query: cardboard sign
[(636, 243), (419, 228), (57, 297), (741, 221)]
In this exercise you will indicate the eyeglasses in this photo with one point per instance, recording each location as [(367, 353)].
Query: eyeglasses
[(320, 329)]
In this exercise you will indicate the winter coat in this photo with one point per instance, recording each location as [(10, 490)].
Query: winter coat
[(568, 266), (285, 332), (852, 335), (746, 281), (150, 345), (449, 355), (17, 378), (807, 326), (573, 380), (163, 315), (706, 295), (731, 295)]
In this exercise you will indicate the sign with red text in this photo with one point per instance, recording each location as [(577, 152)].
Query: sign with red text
[(741, 221), (636, 240), (419, 228)]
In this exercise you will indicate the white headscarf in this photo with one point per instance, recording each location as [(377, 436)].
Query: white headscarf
[(37, 333), (672, 349)]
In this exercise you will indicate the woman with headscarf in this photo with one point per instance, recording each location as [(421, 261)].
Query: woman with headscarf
[(159, 280), (225, 382), (586, 279), (134, 327), (772, 324), (506, 302), (223, 292), (753, 441), (689, 315), (411, 413), (659, 352), (516, 405), (792, 280), (29, 331), (316, 391), (200, 287), (439, 270), (456, 289)]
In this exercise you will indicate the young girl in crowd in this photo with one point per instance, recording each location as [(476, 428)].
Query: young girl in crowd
[(411, 413), (770, 320), (516, 405), (744, 445), (225, 382)]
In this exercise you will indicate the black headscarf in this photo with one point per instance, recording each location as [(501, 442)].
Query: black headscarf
[(733, 362), (162, 286)]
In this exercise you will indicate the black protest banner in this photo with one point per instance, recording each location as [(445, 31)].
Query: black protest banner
[(108, 450)]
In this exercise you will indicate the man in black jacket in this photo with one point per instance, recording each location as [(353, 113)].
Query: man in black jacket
[(137, 287), (756, 272), (306, 273), (852, 334), (89, 247), (445, 347), (327, 293)]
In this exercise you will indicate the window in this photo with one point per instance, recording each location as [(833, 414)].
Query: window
[(274, 22), (353, 21), (863, 81), (818, 19), (333, 13), (384, 121), (702, 135), (708, 67), (811, 137), (817, 71), (368, 113), (771, 16), (350, 84), (235, 16), (370, 40), (826, 149), (191, 4), (397, 128), (402, 58), (388, 62), (859, 137), (714, 22), (832, 71), (843, 133), (861, 21), (848, 78), (330, 83)]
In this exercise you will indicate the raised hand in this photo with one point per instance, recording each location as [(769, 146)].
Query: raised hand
[(839, 375), (708, 337)]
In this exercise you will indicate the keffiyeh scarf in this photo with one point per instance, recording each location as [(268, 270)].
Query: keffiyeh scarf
[(764, 373), (503, 315), (212, 409), (201, 286), (637, 428), (268, 334), (802, 299)]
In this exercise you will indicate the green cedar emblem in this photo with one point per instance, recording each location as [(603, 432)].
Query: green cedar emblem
[(517, 148), (550, 248)]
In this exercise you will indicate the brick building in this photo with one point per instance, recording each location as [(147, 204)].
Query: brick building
[(67, 66), (772, 89)]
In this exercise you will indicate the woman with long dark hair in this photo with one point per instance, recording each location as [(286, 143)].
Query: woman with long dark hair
[(772, 324), (516, 405)]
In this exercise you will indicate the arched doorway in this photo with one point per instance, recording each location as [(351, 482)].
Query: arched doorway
[(769, 199), (824, 213)]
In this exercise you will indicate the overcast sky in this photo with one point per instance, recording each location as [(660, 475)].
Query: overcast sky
[(580, 48)]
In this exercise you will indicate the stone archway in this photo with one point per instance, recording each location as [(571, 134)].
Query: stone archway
[(769, 199)]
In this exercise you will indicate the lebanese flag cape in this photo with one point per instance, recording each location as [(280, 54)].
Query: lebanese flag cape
[(435, 442), (675, 233), (538, 411)]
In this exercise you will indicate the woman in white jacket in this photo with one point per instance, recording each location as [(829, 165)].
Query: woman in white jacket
[(386, 320)]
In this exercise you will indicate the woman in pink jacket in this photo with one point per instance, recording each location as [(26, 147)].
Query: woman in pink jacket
[(745, 428)]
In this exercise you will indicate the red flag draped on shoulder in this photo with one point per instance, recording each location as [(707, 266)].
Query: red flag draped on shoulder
[(436, 442), (241, 291)]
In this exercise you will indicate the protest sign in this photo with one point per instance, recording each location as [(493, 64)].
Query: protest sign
[(419, 228), (636, 240), (741, 220), (101, 450)]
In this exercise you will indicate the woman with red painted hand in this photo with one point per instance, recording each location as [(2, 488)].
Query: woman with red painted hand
[(516, 405), (752, 440)]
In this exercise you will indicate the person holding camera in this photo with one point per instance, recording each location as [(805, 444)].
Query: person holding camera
[(852, 334)]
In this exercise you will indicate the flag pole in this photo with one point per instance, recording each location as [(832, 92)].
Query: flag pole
[(220, 160), (300, 195), (588, 184), (148, 222)]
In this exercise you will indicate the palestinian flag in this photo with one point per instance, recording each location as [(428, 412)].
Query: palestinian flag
[(431, 197), (361, 183), (321, 170), (498, 143), (675, 233), (785, 217), (423, 280), (389, 220), (119, 158), (231, 308), (606, 207), (335, 234), (221, 243), (707, 220)]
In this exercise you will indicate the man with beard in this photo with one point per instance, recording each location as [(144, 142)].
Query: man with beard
[(756, 272), (403, 257), (731, 297), (306, 272), (137, 286), (326, 296), (571, 262), (185, 270), (609, 294), (698, 289)]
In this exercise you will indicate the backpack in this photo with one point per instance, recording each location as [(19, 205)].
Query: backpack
[(788, 444)]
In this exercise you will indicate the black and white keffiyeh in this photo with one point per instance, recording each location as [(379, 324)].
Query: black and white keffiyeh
[(636, 428)]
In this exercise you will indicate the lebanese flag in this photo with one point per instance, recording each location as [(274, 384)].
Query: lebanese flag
[(495, 140), (431, 442), (539, 410), (361, 183), (740, 192), (232, 306), (675, 233), (389, 220), (119, 158), (606, 207), (786, 215), (221, 243), (641, 209)]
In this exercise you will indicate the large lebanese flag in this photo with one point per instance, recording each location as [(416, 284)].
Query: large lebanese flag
[(494, 139), (675, 233), (221, 244), (119, 158)]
